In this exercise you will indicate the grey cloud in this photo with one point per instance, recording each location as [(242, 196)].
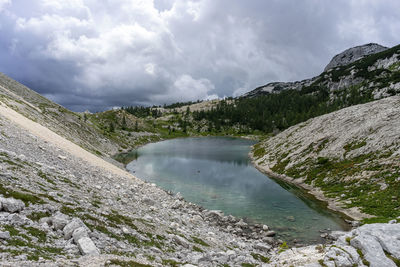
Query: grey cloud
[(100, 54)]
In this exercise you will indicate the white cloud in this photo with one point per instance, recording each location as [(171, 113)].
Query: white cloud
[(3, 3)]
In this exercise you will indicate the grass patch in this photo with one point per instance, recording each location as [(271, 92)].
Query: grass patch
[(258, 151), (126, 263), (364, 261), (198, 249), (36, 216), (44, 176), (260, 257), (284, 246), (25, 197), (199, 241), (39, 234), (171, 263)]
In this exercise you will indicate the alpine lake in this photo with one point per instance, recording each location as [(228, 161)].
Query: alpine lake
[(217, 174)]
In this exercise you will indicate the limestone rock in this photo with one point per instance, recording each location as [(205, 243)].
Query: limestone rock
[(71, 226), (12, 205), (79, 233), (87, 247), (59, 221), (4, 235), (181, 241)]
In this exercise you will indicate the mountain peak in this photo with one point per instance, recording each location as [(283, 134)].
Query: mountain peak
[(353, 54)]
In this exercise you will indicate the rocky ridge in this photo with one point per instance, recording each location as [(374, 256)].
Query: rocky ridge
[(369, 69), (353, 54)]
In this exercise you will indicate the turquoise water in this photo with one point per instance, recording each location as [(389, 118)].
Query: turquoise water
[(216, 173)]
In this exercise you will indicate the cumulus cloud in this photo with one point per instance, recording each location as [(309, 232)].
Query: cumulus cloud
[(100, 54)]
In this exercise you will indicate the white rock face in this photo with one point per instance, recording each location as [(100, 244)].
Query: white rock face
[(368, 243), (353, 54), (87, 247), (4, 235), (12, 205)]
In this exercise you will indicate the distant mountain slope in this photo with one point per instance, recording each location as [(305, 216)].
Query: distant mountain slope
[(90, 131), (376, 73), (353, 54), (351, 155)]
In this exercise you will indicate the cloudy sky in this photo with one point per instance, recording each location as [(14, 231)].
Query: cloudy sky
[(97, 54)]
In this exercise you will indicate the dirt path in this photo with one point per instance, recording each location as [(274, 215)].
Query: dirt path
[(60, 142)]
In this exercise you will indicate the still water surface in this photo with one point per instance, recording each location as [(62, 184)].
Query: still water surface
[(216, 173)]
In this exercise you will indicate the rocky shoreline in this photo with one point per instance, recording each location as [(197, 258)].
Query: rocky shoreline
[(79, 209), (352, 215)]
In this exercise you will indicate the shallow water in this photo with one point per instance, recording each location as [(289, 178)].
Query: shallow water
[(216, 173)]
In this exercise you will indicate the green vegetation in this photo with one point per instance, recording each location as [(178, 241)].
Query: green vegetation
[(331, 175), (36, 216), (284, 246), (25, 197), (123, 263), (354, 145), (364, 261), (171, 263), (199, 241), (197, 249), (260, 257)]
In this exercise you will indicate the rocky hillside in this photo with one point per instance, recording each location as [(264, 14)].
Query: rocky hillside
[(370, 70), (349, 158), (63, 206), (90, 131)]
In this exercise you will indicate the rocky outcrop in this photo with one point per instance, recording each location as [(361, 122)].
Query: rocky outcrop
[(353, 54), (372, 245), (11, 205), (370, 69)]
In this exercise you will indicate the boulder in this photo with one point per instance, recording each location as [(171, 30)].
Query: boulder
[(181, 241), (372, 251), (262, 247), (12, 205), (369, 243), (342, 256), (87, 247), (71, 226), (17, 219), (79, 233), (4, 235), (270, 233), (59, 221)]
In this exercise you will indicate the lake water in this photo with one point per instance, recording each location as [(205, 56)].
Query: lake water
[(216, 173)]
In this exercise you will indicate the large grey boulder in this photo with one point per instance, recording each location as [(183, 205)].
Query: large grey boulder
[(87, 247), (12, 205), (71, 226), (388, 236), (79, 233), (59, 221), (4, 235), (368, 244)]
